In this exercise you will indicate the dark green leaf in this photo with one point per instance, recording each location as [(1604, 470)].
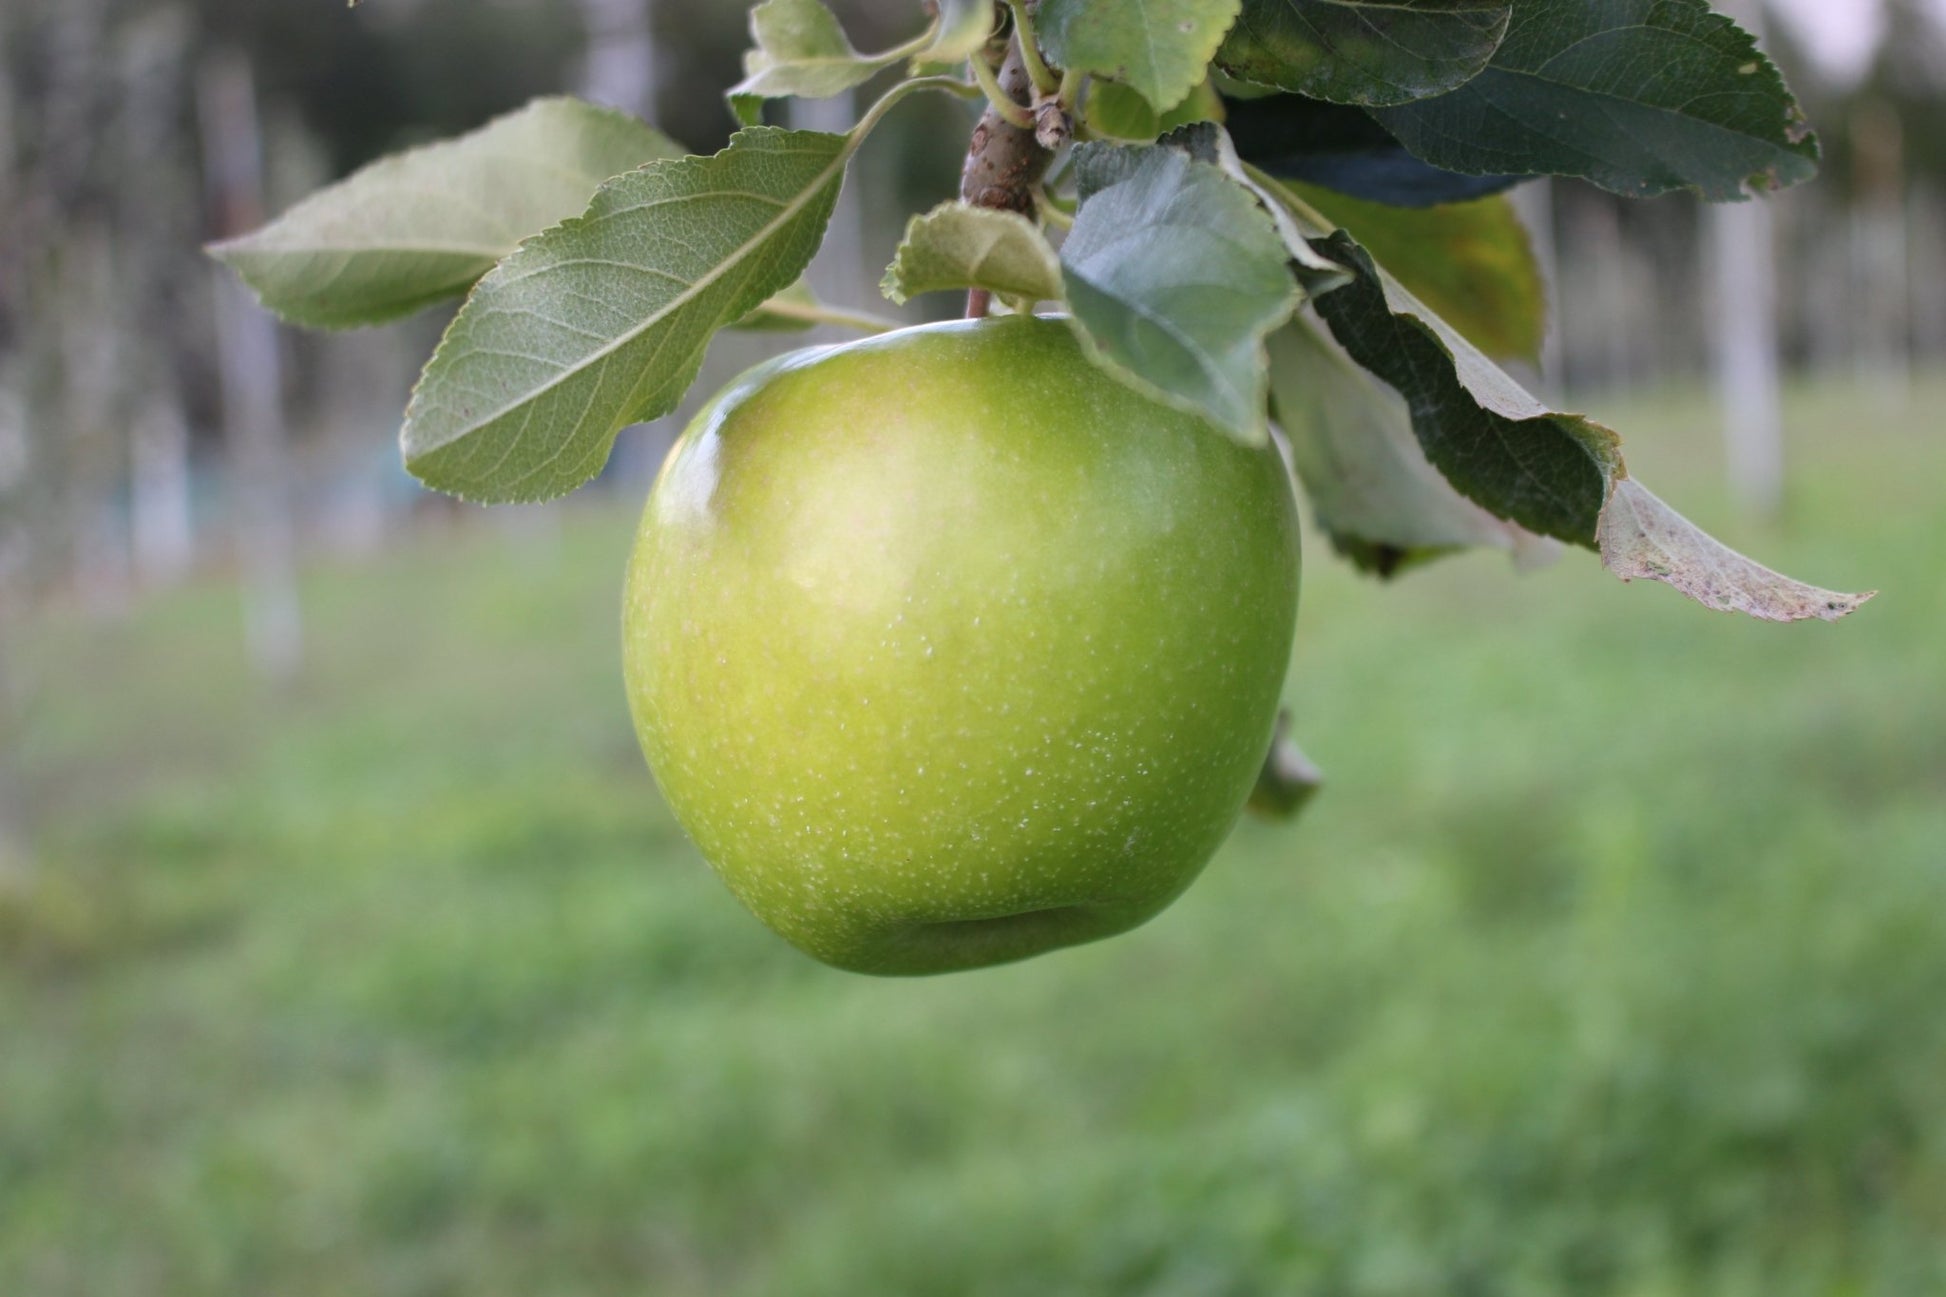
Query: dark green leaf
[(1639, 96), (602, 321), (1342, 148), (1352, 444), (1175, 273), (1557, 474), (1471, 263), (1548, 472), (420, 226), (1367, 52), (1160, 48)]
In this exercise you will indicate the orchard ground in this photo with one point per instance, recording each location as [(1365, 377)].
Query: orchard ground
[(1612, 961)]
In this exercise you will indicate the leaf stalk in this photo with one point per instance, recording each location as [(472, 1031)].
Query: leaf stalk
[(1015, 115), (1046, 82), (820, 313)]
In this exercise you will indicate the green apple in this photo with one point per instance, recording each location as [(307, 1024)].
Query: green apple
[(948, 649)]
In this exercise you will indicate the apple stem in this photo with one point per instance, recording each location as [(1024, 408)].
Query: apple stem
[(977, 302)]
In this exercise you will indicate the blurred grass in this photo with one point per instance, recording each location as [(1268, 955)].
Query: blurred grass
[(1613, 961)]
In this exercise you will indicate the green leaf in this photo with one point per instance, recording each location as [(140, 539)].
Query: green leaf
[(420, 226), (1640, 536), (1639, 96), (1174, 274), (1502, 448), (802, 50), (963, 27), (957, 246), (1342, 148), (1160, 48), (1208, 142), (1367, 52), (1289, 780), (1117, 112), (602, 321), (1557, 474), (1471, 263), (1351, 440)]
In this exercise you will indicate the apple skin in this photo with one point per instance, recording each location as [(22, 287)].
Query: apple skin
[(948, 649)]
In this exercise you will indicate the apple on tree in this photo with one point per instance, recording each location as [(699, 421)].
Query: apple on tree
[(964, 642), (948, 648)]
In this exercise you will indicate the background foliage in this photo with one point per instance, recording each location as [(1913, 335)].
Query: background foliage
[(1610, 963)]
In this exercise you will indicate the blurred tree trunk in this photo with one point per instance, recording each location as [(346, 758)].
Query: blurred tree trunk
[(1741, 245), (93, 363), (16, 467), (1601, 296), (1741, 248), (620, 70), (1879, 250), (366, 380), (1825, 288), (157, 222), (161, 525), (1926, 223), (70, 282), (250, 373)]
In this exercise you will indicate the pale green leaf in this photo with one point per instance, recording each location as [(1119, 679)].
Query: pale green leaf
[(1352, 444), (602, 321), (1160, 48), (957, 246), (963, 27), (420, 226), (1206, 141), (1175, 273), (801, 50), (1640, 536)]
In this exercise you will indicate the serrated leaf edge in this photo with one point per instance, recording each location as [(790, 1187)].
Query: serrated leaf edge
[(226, 251), (837, 166), (892, 283)]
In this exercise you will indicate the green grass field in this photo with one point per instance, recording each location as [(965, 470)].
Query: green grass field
[(1613, 961)]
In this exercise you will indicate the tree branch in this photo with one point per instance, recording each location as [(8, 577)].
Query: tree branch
[(1004, 163)]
